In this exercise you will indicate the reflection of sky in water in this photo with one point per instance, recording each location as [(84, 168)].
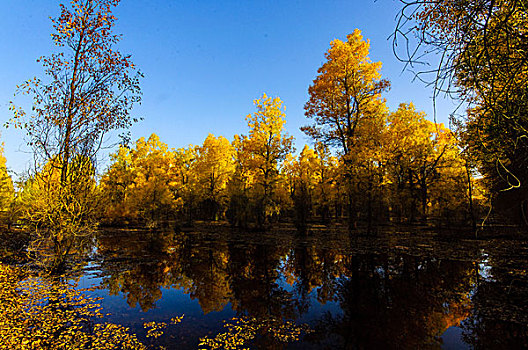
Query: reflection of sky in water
[(485, 268), (452, 339)]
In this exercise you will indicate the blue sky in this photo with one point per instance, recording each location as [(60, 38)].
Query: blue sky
[(206, 61)]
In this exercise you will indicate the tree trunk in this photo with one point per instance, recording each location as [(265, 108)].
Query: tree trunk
[(470, 194)]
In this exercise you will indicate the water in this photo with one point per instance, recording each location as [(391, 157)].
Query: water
[(400, 290)]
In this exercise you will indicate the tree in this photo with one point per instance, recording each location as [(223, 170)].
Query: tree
[(240, 210), (425, 169), (481, 45), (407, 144), (7, 191), (267, 143), (311, 179), (214, 167), (89, 90), (260, 155), (141, 183), (302, 174), (185, 181), (346, 92), (60, 221), (345, 102), (482, 58), (325, 188)]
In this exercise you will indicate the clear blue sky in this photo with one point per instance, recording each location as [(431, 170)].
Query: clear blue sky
[(206, 61)]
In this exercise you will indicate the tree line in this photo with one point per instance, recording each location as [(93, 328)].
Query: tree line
[(409, 170), (402, 168)]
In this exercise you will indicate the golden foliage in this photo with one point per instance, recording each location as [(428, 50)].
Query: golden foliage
[(61, 215), (242, 331), (346, 94), (425, 168), (142, 182), (39, 314), (7, 191), (214, 167), (259, 159)]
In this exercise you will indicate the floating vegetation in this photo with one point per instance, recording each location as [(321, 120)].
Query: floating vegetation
[(36, 313), (243, 331)]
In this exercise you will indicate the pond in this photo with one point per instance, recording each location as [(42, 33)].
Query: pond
[(403, 289)]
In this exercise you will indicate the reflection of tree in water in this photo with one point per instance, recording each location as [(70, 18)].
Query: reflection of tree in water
[(309, 268), (404, 302), (499, 318), (254, 281), (138, 264), (210, 270), (207, 267), (254, 271)]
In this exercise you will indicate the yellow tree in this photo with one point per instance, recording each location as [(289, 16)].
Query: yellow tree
[(345, 98), (364, 168), (406, 141), (214, 166), (441, 155), (311, 180), (186, 182), (140, 184), (261, 154), (346, 92), (240, 210), (455, 194), (421, 157), (302, 180), (60, 221), (115, 185), (7, 192), (326, 173)]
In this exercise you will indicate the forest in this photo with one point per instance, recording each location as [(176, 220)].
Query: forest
[(368, 173)]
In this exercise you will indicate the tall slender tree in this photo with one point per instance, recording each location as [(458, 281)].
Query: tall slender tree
[(88, 90), (346, 104), (261, 154)]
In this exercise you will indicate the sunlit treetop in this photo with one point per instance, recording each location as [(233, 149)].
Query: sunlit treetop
[(267, 142), (346, 90)]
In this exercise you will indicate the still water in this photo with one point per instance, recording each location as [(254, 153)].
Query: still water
[(404, 289)]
